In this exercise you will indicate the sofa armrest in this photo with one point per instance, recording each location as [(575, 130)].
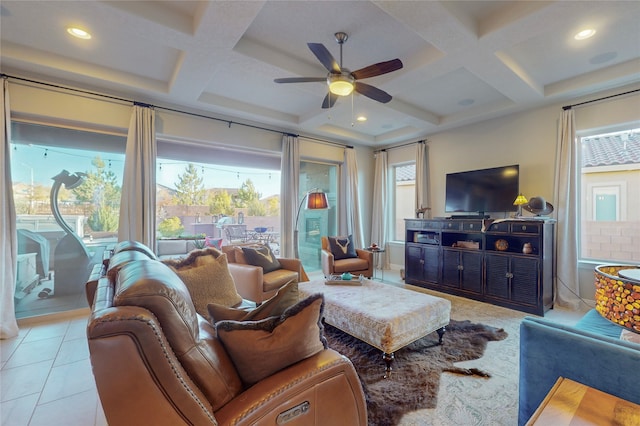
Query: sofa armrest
[(324, 387), (291, 265), (248, 279), (129, 351), (549, 350), (327, 261), (365, 254)]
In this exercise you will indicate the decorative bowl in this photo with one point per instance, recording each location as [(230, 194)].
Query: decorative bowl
[(260, 229)]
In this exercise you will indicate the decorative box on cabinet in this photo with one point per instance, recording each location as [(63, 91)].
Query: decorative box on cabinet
[(484, 260)]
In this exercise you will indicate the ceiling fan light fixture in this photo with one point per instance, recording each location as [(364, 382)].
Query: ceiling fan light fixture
[(341, 84)]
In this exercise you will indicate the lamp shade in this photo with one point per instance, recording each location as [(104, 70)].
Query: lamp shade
[(520, 200), (317, 201)]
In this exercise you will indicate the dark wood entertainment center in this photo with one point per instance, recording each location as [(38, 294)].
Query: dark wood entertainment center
[(483, 259)]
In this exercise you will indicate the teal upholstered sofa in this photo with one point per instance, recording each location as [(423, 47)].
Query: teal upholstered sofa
[(590, 353)]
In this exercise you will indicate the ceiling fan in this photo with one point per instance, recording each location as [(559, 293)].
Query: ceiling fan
[(342, 81)]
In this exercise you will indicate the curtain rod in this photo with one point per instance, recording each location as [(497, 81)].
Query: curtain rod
[(324, 141), (400, 146), (566, 107), (229, 122)]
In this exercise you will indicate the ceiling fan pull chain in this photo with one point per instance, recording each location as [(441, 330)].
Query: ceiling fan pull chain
[(352, 114)]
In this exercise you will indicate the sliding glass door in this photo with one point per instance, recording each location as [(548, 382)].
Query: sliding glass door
[(314, 224)]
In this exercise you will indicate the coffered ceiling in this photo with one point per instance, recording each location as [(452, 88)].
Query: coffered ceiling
[(464, 61)]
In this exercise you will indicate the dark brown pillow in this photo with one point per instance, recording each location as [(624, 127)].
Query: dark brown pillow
[(342, 247), (286, 297), (261, 348), (261, 256)]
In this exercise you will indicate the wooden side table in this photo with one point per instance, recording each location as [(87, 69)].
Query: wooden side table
[(572, 403)]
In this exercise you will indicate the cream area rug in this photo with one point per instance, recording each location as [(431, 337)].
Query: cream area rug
[(478, 402)]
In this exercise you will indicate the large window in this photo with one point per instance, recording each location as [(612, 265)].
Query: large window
[(610, 196), (227, 203), (66, 185), (404, 196)]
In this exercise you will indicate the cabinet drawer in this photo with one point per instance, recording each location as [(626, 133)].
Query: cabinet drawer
[(413, 224), (525, 228), (452, 225), (475, 225), (431, 225), (499, 227)]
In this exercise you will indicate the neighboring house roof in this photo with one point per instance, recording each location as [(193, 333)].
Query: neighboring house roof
[(406, 173), (611, 149)]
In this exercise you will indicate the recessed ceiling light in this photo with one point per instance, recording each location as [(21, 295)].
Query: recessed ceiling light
[(585, 34), (361, 118), (79, 33)]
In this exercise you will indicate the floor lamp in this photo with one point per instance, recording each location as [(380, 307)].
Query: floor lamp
[(316, 200)]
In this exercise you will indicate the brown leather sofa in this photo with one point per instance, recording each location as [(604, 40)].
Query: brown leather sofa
[(251, 281), (157, 362), (361, 265)]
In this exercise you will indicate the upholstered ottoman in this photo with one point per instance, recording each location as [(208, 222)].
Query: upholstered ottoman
[(382, 315)]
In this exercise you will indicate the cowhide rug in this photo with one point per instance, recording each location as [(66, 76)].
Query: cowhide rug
[(415, 377)]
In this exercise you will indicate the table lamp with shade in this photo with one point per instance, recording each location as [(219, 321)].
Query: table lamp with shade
[(520, 201), (316, 200)]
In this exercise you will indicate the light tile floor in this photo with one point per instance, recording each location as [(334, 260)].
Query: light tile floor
[(45, 373)]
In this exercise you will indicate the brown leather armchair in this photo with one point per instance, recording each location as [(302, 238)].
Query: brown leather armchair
[(363, 264), (251, 281), (156, 361)]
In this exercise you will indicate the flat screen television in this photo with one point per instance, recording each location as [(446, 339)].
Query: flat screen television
[(482, 191)]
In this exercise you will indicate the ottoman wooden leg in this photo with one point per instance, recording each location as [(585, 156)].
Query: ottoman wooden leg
[(440, 332), (388, 359)]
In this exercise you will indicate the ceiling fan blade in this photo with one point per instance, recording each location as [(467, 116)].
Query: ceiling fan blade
[(325, 57), (378, 69), (300, 79), (373, 92), (329, 100)]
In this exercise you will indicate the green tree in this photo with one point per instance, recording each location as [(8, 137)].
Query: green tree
[(100, 187), (190, 188), (247, 195), (256, 208), (221, 203), (171, 227), (101, 190), (273, 206)]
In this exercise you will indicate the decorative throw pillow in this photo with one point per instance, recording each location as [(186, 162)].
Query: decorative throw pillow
[(209, 281), (261, 256), (286, 296), (213, 242), (260, 348), (342, 247)]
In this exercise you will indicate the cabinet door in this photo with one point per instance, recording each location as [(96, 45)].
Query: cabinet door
[(414, 262), (431, 263), (524, 283), (471, 274), (497, 275), (451, 266)]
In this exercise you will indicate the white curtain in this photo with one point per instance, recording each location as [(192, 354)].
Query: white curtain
[(422, 176), (566, 201), (289, 189), (381, 208), (349, 206), (8, 234), (138, 203)]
